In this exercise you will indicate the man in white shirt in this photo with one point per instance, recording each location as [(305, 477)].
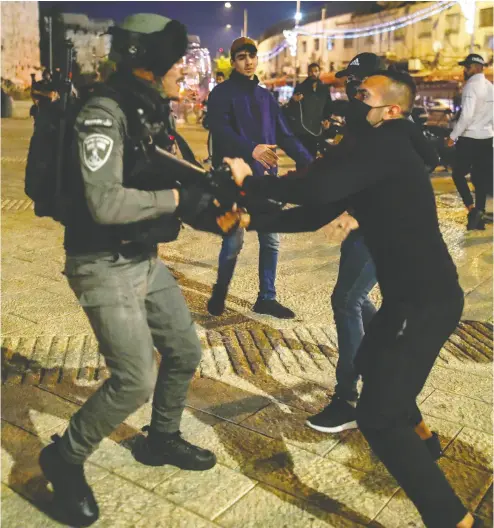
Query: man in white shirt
[(473, 135)]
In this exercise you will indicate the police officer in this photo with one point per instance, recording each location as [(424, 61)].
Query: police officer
[(118, 213)]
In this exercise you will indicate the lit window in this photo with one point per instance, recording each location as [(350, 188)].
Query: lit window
[(425, 28), (399, 34), (486, 17), (452, 23)]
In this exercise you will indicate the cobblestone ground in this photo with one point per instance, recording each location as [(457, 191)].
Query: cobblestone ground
[(259, 380)]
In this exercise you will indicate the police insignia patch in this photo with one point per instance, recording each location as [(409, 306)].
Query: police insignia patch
[(97, 149)]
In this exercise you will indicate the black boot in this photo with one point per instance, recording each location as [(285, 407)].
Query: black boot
[(159, 449), (71, 490), (434, 447), (475, 220), (216, 305)]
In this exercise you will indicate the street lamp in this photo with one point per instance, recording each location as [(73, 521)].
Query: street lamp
[(228, 26), (298, 14), (228, 5)]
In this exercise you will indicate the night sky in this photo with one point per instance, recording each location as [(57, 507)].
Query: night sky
[(206, 19)]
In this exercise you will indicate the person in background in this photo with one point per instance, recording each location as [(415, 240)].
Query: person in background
[(472, 137), (246, 122), (310, 105), (220, 77)]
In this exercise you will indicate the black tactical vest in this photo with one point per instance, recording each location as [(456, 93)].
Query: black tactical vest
[(148, 119)]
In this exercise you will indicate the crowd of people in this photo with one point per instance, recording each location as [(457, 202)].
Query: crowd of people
[(373, 181)]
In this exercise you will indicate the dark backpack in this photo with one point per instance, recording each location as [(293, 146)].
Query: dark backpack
[(45, 154)]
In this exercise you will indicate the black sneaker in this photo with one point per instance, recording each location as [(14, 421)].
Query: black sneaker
[(273, 308), (475, 220), (338, 416), (216, 304), (159, 449), (72, 493), (434, 447)]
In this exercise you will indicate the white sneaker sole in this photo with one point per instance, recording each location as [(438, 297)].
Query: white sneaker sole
[(337, 429)]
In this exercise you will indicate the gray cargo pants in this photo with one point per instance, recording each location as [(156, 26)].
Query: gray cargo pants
[(133, 305)]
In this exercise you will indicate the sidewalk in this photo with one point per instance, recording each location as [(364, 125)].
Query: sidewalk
[(258, 381)]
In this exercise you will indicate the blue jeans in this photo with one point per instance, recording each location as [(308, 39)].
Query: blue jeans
[(352, 309), (268, 260)]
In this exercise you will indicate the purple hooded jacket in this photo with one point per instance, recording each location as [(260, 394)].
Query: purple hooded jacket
[(242, 115)]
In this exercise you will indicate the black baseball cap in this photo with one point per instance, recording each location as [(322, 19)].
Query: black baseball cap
[(473, 58), (362, 65)]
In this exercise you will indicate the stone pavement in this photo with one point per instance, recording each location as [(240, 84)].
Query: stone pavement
[(258, 381)]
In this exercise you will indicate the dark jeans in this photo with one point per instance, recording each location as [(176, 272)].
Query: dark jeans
[(474, 157), (352, 309), (134, 305), (395, 359), (268, 261)]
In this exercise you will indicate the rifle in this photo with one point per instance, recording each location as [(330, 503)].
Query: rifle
[(218, 182), (64, 89)]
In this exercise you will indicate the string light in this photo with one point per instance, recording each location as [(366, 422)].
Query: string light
[(347, 33), (384, 27)]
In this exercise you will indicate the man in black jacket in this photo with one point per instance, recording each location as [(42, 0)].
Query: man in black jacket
[(382, 178), (309, 107)]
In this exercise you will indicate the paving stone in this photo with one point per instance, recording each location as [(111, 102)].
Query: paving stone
[(111, 455), (400, 512), (265, 506), (224, 401), (485, 509), (146, 476), (33, 409), (354, 451), (446, 430), (208, 493), (6, 492), (470, 484), (287, 423), (459, 409), (122, 503), (40, 312), (13, 324), (357, 492), (459, 382), (20, 468), (17, 512), (169, 515), (473, 448)]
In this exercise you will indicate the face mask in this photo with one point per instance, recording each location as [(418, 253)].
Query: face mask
[(358, 112)]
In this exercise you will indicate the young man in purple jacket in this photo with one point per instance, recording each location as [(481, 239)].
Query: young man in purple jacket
[(246, 122)]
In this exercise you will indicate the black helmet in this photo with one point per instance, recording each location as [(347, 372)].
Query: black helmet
[(148, 41)]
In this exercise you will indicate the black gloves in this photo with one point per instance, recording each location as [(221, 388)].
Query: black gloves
[(193, 202)]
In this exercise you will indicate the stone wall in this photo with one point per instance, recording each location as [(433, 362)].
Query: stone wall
[(89, 37), (20, 41)]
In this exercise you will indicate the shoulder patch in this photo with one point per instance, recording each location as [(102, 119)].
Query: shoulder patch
[(98, 122), (97, 149)]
